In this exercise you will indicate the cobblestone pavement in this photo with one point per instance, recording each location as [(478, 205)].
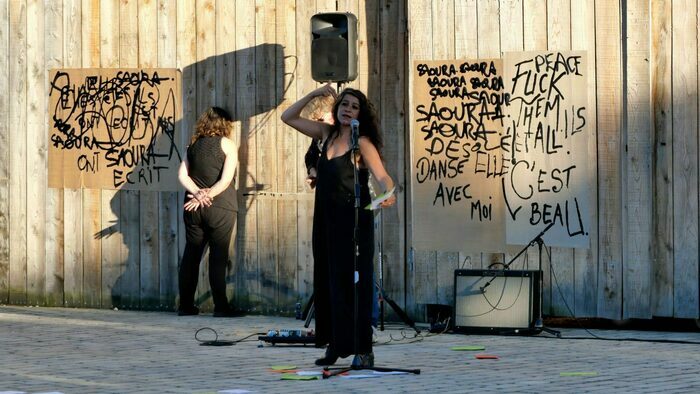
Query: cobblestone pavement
[(104, 351)]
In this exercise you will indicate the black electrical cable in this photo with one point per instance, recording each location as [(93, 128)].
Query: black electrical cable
[(216, 341), (571, 313)]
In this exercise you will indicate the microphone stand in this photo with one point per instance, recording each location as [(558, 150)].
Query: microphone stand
[(328, 371), (382, 294), (538, 326)]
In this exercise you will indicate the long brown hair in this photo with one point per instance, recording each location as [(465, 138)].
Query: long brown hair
[(215, 121), (369, 124)]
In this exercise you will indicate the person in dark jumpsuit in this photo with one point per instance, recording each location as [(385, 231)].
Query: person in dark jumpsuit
[(210, 209)]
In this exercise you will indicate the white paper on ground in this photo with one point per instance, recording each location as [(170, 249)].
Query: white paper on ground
[(309, 373)]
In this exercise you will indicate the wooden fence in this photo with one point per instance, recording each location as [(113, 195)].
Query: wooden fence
[(103, 248)]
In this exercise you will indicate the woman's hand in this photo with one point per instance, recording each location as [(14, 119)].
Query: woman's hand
[(388, 202), (325, 90), (197, 200), (191, 205), (311, 179), (203, 198)]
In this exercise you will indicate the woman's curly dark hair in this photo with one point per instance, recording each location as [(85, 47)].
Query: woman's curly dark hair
[(369, 124), (215, 121)]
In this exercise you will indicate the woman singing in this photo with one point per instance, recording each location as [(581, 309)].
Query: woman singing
[(335, 289)]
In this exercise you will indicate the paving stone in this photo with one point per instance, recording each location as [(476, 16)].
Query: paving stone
[(106, 351)]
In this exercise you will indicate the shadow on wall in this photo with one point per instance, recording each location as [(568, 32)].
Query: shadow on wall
[(144, 237)]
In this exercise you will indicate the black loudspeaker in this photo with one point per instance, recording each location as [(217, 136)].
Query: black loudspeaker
[(334, 47), (496, 301)]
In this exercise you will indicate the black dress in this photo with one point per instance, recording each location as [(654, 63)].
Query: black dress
[(333, 248)]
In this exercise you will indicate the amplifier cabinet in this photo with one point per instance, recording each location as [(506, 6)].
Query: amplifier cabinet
[(496, 301)]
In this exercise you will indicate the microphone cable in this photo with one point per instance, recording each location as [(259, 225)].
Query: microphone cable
[(219, 342)]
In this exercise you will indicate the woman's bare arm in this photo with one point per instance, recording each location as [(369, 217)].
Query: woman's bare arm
[(371, 158), (230, 163)]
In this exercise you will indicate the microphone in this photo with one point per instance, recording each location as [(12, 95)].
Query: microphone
[(355, 126)]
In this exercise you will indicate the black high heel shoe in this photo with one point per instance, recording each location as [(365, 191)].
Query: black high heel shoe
[(329, 359)]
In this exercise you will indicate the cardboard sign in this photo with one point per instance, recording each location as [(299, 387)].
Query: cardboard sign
[(457, 116), (500, 152), (114, 129), (549, 181)]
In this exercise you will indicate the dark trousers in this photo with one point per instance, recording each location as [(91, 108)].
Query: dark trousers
[(216, 227)]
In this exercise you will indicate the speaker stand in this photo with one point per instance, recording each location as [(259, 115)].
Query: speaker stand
[(383, 298)]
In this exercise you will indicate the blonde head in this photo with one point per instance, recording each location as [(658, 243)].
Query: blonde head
[(319, 108)]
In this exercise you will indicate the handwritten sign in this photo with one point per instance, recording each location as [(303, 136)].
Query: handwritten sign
[(457, 116), (114, 129), (547, 125), (500, 152)]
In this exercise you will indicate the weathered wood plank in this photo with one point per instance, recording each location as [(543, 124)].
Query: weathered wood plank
[(561, 264), (92, 198), (488, 29), (685, 159), (110, 234), (511, 23), (466, 47), (149, 251), (4, 154), (266, 152), (248, 285), (37, 146), (535, 39), (18, 154), (370, 63), (287, 158), (422, 268), (186, 61), (609, 82), (169, 203), (534, 25), (352, 6), (443, 42), (305, 208), (586, 260), (72, 203), (662, 102), (489, 46), (466, 39), (130, 199), (53, 49), (637, 244), (393, 120)]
